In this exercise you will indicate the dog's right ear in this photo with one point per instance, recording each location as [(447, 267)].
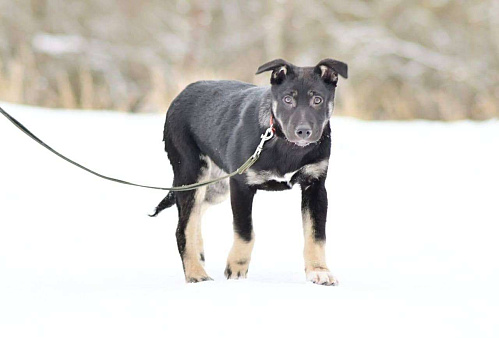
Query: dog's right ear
[(280, 69)]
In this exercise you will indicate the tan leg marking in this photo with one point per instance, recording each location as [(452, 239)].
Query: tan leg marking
[(199, 235), (239, 258), (315, 255), (193, 267)]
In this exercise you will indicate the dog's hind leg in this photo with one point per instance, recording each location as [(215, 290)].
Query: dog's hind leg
[(241, 197), (189, 167), (189, 240)]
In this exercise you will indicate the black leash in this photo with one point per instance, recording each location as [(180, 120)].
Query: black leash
[(269, 133)]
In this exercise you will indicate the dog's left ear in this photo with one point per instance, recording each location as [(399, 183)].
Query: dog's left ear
[(280, 69), (329, 69)]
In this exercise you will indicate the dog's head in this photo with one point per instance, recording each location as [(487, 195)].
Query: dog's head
[(303, 97)]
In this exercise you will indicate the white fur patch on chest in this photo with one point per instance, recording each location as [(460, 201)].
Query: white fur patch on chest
[(313, 170), (254, 177)]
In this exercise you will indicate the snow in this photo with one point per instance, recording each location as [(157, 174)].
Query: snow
[(57, 44), (412, 237)]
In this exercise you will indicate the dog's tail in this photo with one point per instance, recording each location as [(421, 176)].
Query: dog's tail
[(167, 202)]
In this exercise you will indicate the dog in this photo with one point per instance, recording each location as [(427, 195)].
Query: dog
[(212, 127)]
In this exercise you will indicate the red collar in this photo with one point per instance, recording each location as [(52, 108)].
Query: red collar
[(272, 123)]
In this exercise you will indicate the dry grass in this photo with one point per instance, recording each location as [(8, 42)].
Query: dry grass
[(80, 88)]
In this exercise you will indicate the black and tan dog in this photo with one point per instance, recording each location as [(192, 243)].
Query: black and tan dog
[(212, 127)]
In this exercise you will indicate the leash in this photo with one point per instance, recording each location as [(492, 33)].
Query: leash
[(267, 135)]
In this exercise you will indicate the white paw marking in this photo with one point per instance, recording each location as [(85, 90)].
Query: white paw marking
[(322, 278)]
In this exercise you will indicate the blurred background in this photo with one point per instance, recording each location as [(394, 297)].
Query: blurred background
[(429, 59)]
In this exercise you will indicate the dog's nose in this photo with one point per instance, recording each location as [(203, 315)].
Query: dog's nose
[(303, 131)]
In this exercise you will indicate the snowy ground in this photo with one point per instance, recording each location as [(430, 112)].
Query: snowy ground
[(412, 237)]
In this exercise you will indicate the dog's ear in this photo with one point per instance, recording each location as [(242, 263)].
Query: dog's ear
[(329, 69), (280, 69)]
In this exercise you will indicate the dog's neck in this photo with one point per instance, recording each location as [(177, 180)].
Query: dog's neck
[(265, 111), (266, 117)]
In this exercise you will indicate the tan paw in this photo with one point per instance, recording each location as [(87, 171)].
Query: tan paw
[(197, 279), (195, 273), (236, 270), (321, 277)]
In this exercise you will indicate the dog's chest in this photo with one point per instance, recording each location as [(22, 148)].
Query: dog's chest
[(272, 180)]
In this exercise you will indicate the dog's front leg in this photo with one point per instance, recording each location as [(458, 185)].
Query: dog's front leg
[(314, 212), (241, 197)]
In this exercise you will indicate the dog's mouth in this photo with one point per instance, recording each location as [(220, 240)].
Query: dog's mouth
[(302, 143)]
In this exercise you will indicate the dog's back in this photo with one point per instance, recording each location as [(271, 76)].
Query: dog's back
[(209, 111)]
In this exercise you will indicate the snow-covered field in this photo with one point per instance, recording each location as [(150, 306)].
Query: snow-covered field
[(413, 237)]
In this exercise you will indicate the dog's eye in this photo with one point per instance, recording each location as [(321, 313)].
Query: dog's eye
[(287, 99), (317, 100)]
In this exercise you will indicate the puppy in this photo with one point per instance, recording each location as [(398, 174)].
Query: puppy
[(212, 127)]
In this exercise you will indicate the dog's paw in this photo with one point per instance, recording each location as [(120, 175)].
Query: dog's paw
[(195, 274), (197, 279), (194, 271), (321, 277), (236, 271)]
